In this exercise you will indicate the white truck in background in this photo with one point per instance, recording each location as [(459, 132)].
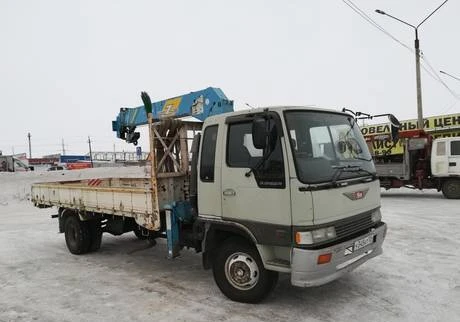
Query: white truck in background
[(418, 159), (9, 163), (445, 165), (266, 191)]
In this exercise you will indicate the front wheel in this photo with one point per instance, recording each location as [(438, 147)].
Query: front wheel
[(239, 272), (451, 189)]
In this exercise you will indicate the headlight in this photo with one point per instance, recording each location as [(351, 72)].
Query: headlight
[(314, 236), (376, 216)]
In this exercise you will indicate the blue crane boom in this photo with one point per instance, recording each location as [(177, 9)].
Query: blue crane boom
[(200, 104)]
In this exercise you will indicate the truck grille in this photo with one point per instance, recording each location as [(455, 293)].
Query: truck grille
[(350, 226)]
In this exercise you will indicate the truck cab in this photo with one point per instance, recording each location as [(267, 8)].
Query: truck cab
[(300, 198), (445, 164), (10, 163)]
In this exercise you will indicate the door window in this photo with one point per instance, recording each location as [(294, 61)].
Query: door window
[(455, 148), (208, 154), (267, 166), (441, 148)]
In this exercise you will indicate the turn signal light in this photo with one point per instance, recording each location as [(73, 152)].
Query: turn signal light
[(324, 258)]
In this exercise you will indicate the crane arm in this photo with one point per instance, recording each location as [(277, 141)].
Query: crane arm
[(200, 104)]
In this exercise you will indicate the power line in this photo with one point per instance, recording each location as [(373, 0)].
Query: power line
[(433, 73), (449, 107), (360, 12), (440, 79)]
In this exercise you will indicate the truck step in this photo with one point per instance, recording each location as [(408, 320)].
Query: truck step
[(282, 263)]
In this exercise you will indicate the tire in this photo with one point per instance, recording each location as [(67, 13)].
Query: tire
[(451, 189), (77, 235), (239, 272), (95, 231)]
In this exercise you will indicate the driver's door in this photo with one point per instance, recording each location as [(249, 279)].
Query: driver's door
[(258, 199)]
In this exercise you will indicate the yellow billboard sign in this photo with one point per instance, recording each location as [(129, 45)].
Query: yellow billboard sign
[(437, 126)]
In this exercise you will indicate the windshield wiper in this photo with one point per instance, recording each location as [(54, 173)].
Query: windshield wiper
[(348, 168)]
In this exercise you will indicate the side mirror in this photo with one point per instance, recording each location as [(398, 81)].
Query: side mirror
[(394, 121), (259, 133), (395, 125)]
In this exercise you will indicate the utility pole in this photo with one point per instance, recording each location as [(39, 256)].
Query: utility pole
[(417, 60), (30, 147), (90, 153), (63, 147), (419, 81)]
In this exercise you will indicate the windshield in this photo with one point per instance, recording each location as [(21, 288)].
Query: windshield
[(19, 164), (327, 147)]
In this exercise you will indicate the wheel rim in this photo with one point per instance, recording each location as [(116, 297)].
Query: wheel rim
[(242, 271)]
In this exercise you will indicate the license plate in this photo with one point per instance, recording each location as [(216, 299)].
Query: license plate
[(363, 242)]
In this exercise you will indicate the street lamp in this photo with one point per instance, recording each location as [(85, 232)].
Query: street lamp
[(443, 72), (417, 60)]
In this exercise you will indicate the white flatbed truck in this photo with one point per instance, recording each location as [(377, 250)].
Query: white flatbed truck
[(266, 191)]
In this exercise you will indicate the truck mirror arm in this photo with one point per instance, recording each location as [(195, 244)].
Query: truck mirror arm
[(260, 163)]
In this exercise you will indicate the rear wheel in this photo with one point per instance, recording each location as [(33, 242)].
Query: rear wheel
[(451, 189), (95, 230), (77, 235), (239, 272)]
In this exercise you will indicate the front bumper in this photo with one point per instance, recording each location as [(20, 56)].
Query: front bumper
[(306, 272)]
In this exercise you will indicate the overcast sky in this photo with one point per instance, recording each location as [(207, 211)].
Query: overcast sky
[(66, 67)]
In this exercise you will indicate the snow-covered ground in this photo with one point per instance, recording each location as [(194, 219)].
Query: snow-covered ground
[(416, 279)]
